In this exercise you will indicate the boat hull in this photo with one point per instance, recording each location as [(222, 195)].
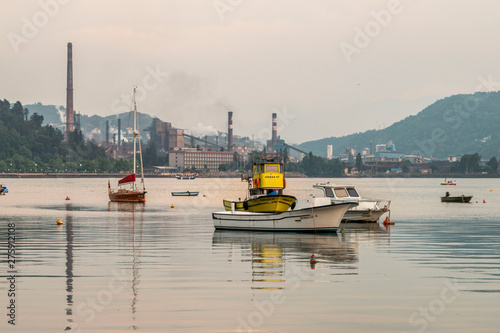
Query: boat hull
[(127, 196), (462, 198), (185, 194), (264, 204), (366, 211), (367, 215), (318, 219)]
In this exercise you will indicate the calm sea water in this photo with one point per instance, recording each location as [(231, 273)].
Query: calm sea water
[(152, 268)]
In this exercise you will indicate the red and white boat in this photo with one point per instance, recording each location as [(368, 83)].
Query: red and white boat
[(127, 190)]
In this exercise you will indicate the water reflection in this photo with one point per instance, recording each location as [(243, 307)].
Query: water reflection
[(271, 251), (69, 267), (136, 262), (127, 207), (268, 266)]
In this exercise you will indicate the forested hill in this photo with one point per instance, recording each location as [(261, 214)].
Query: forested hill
[(94, 126), (28, 145), (455, 125)]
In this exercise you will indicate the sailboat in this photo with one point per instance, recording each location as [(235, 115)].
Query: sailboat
[(127, 190)]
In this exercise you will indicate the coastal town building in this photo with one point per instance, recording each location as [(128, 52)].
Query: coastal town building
[(199, 160)]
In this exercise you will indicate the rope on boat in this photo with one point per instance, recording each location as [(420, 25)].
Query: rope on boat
[(314, 220)]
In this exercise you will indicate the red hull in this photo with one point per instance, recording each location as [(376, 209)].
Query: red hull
[(127, 196)]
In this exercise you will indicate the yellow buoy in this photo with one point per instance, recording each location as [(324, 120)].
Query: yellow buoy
[(172, 206), (59, 221)]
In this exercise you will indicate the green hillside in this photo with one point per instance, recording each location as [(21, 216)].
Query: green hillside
[(90, 124), (30, 146), (455, 125)]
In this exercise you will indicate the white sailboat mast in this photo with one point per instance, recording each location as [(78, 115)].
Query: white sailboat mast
[(135, 134)]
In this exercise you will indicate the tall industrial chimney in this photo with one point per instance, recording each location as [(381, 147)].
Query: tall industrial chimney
[(107, 133), (230, 131), (274, 138), (70, 117), (119, 132)]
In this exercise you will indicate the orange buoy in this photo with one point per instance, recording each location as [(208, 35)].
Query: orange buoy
[(67, 198), (312, 261), (256, 182), (387, 222)]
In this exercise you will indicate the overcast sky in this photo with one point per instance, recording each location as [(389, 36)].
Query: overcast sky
[(328, 68)]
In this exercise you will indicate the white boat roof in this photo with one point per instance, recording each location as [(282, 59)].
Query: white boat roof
[(329, 185)]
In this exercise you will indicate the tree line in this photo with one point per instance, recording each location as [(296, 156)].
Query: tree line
[(29, 146)]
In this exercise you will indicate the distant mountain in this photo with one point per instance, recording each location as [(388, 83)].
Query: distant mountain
[(455, 125), (92, 126)]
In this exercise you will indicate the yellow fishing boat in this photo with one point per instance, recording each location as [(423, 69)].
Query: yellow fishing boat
[(265, 191)]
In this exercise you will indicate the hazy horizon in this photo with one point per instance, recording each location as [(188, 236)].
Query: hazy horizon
[(327, 69)]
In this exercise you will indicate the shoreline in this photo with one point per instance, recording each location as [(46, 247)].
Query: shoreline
[(234, 175)]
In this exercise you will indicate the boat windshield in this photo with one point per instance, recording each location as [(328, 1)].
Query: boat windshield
[(353, 193), (329, 192), (341, 192), (272, 168)]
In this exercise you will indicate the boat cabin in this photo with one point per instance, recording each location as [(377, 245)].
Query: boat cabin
[(338, 192), (267, 179)]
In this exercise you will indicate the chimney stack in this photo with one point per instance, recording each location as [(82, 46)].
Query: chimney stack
[(119, 132), (107, 133), (70, 117), (274, 138), (230, 131)]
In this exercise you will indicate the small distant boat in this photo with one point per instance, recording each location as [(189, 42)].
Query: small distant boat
[(3, 189), (449, 182), (186, 177), (185, 194), (461, 198), (132, 193)]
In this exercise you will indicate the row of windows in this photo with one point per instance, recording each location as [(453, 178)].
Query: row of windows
[(208, 159)]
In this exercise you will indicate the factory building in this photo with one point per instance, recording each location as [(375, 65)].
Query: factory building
[(165, 136), (199, 160)]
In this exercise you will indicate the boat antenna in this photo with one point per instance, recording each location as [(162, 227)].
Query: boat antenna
[(252, 153), (136, 132), (284, 162)]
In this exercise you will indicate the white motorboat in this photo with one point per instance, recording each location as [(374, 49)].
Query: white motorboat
[(367, 210), (313, 214)]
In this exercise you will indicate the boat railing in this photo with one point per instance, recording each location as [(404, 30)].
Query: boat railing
[(383, 204), (379, 204)]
